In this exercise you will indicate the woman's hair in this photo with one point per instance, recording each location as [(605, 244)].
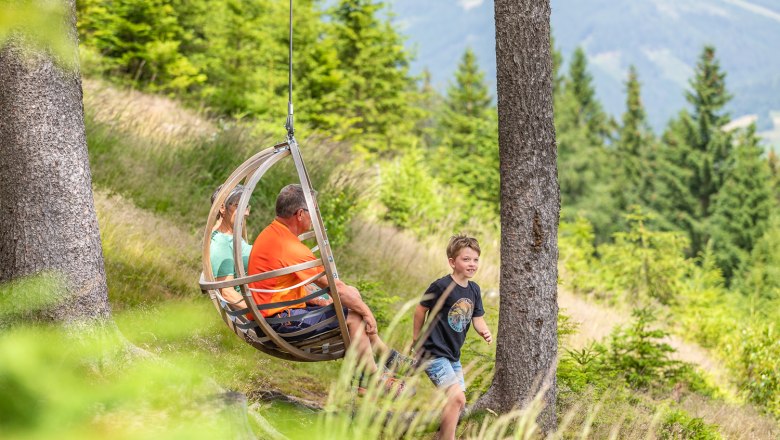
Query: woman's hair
[(290, 200), (232, 198), (459, 242)]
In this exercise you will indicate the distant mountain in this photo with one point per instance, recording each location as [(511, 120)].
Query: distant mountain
[(662, 38)]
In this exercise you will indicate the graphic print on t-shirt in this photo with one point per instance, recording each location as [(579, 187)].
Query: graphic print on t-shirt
[(460, 314)]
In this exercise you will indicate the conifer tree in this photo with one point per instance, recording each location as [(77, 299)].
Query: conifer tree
[(635, 155), (588, 109), (429, 102), (742, 206), (374, 87), (468, 150), (699, 148), (139, 41), (584, 167)]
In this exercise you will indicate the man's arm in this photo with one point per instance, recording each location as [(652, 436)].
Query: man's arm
[(481, 327), (420, 314)]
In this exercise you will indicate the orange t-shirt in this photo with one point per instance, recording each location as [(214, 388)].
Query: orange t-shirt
[(275, 248)]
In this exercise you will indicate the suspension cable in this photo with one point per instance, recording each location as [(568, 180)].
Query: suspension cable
[(289, 125)]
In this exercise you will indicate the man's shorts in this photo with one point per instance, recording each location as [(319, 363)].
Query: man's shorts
[(444, 373), (294, 326)]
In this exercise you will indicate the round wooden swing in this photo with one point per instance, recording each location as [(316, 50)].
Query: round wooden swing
[(248, 323)]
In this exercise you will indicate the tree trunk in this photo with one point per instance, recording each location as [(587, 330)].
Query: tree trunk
[(530, 204), (47, 212)]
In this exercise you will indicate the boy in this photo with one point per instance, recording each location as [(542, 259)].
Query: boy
[(461, 306)]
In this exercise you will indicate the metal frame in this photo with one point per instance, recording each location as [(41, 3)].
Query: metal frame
[(322, 347)]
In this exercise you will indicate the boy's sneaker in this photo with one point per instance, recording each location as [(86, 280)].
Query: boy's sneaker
[(399, 363), (395, 387)]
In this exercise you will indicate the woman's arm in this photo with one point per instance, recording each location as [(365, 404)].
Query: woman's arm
[(231, 295)]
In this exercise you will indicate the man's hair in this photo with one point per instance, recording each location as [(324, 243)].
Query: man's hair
[(231, 199), (290, 200), (460, 241)]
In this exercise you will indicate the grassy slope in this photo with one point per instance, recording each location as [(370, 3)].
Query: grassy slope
[(163, 161)]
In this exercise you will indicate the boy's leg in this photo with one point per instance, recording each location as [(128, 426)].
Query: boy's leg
[(448, 376), (456, 401)]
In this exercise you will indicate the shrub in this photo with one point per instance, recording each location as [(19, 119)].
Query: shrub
[(756, 359), (678, 425)]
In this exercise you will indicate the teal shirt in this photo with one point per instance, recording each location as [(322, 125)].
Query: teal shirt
[(222, 254)]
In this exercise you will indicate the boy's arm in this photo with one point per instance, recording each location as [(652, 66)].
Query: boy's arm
[(481, 327), (419, 319)]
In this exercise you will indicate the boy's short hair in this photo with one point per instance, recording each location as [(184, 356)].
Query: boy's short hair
[(460, 241)]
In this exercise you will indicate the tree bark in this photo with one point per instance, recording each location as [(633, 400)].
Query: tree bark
[(47, 213), (530, 205)]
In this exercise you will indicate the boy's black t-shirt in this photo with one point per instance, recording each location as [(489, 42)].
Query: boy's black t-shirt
[(448, 328)]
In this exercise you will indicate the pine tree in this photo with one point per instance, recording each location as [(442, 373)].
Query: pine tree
[(140, 41), (585, 168), (742, 206), (373, 91), (430, 103), (588, 109), (699, 149), (468, 150), (635, 152)]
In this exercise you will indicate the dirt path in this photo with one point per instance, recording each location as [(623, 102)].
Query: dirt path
[(596, 322)]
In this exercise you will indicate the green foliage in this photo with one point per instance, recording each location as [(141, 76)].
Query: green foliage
[(379, 301), (98, 386), (678, 425), (643, 263), (756, 359), (578, 255), (759, 277), (372, 96), (636, 158), (742, 206), (700, 151), (638, 353), (467, 151), (141, 41), (584, 165), (413, 198)]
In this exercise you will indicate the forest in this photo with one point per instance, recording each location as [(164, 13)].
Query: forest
[(671, 235)]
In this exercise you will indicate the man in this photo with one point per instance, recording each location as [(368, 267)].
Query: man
[(278, 246)]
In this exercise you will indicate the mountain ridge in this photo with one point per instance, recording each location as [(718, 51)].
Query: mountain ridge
[(662, 38)]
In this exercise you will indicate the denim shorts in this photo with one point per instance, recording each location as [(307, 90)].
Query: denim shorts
[(444, 373)]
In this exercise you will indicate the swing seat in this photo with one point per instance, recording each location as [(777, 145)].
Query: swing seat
[(295, 342)]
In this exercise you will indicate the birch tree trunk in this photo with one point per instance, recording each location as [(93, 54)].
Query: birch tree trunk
[(530, 204), (47, 214)]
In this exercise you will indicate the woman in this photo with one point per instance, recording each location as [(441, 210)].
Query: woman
[(222, 265)]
